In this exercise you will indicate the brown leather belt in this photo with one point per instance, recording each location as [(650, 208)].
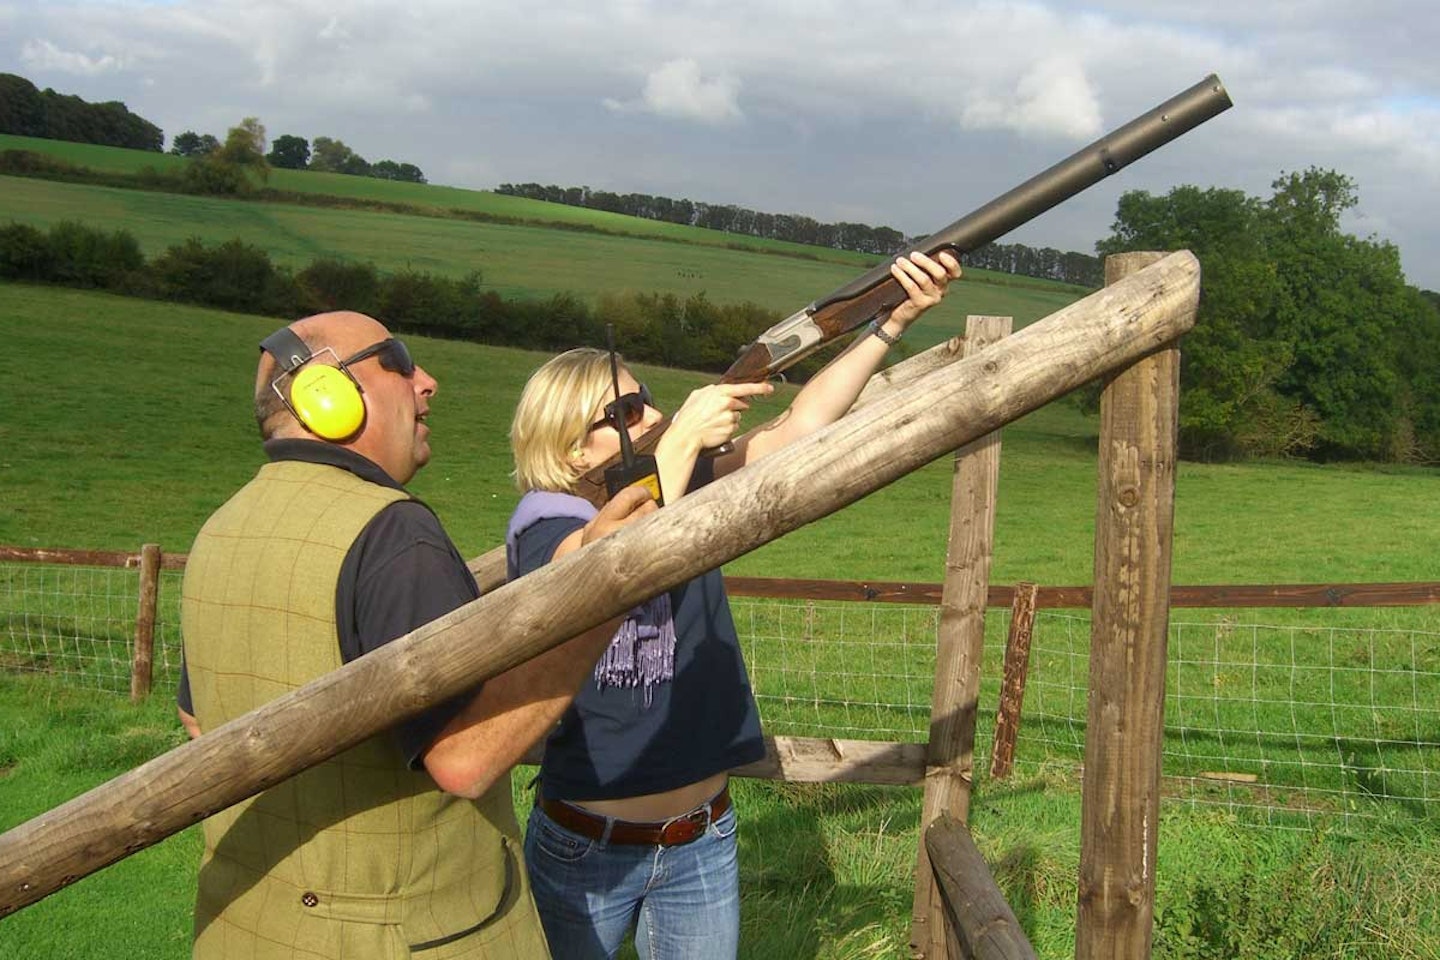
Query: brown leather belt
[(668, 833)]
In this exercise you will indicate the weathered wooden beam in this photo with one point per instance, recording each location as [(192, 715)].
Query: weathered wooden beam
[(959, 648), (809, 479), (984, 926), (142, 659), (1134, 525), (825, 760), (897, 375), (1190, 596), (490, 569)]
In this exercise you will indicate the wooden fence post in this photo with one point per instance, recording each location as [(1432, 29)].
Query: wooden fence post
[(142, 662), (1012, 688), (1134, 522), (960, 643)]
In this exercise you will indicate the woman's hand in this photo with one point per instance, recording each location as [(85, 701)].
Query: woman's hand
[(710, 415), (924, 279)]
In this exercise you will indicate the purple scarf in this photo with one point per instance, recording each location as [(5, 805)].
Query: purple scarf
[(642, 652)]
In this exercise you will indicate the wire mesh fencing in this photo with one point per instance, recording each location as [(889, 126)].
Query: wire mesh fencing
[(1283, 722), (78, 623), (1306, 714)]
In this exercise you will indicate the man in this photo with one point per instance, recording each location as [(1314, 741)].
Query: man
[(407, 843)]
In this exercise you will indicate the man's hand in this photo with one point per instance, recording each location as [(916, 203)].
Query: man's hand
[(627, 506), (188, 721)]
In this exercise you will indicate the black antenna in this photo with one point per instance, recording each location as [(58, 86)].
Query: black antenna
[(631, 469), (615, 412)]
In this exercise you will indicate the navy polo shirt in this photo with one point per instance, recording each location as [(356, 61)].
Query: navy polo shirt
[(401, 572)]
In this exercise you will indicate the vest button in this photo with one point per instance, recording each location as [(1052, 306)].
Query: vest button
[(309, 899)]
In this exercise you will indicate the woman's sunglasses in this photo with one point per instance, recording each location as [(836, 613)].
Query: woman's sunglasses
[(629, 406)]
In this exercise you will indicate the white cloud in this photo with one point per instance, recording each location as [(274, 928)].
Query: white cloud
[(1052, 98), (335, 31), (678, 90), (44, 55)]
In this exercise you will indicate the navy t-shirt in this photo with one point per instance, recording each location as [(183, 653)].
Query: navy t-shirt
[(610, 744)]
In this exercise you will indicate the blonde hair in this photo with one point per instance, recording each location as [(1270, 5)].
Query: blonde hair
[(554, 415)]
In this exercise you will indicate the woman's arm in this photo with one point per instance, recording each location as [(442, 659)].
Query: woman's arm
[(831, 392), (516, 708)]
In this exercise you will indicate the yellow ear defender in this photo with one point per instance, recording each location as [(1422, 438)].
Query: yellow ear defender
[(326, 400)]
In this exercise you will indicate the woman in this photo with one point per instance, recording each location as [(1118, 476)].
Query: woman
[(633, 827)]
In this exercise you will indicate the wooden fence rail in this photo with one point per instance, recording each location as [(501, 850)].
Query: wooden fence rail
[(920, 593), (981, 924)]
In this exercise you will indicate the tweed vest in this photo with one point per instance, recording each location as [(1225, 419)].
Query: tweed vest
[(359, 856)]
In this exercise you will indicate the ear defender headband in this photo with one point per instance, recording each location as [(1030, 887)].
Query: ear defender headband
[(326, 400)]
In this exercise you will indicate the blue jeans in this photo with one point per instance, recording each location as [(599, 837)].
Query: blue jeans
[(683, 902)]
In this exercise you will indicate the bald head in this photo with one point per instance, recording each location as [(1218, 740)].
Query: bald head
[(334, 329), (395, 395)]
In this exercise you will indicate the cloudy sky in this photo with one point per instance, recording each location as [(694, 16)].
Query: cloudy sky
[(908, 115)]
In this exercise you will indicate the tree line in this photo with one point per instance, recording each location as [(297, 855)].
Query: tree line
[(1309, 342), (289, 152), (690, 332), (29, 112), (1047, 263)]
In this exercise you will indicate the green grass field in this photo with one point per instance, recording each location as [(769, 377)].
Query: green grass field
[(133, 426), (527, 260), (128, 423)]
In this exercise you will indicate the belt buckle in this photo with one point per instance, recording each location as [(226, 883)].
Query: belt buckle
[(685, 828)]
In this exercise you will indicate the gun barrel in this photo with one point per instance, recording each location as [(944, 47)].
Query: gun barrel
[(1113, 152), (875, 292)]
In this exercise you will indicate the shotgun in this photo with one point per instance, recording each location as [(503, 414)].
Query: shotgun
[(875, 293)]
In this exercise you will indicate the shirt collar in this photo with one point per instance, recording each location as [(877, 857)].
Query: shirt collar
[(315, 451)]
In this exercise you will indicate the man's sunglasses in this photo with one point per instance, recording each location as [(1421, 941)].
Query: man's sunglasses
[(630, 407), (392, 354)]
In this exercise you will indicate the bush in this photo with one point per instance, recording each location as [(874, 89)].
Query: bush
[(28, 163), (217, 177), (653, 328), (232, 276), (24, 253), (330, 284), (71, 254), (420, 302), (87, 258)]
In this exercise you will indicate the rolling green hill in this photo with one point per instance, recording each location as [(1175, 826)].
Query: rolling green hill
[(515, 261), (433, 198), (538, 256)]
